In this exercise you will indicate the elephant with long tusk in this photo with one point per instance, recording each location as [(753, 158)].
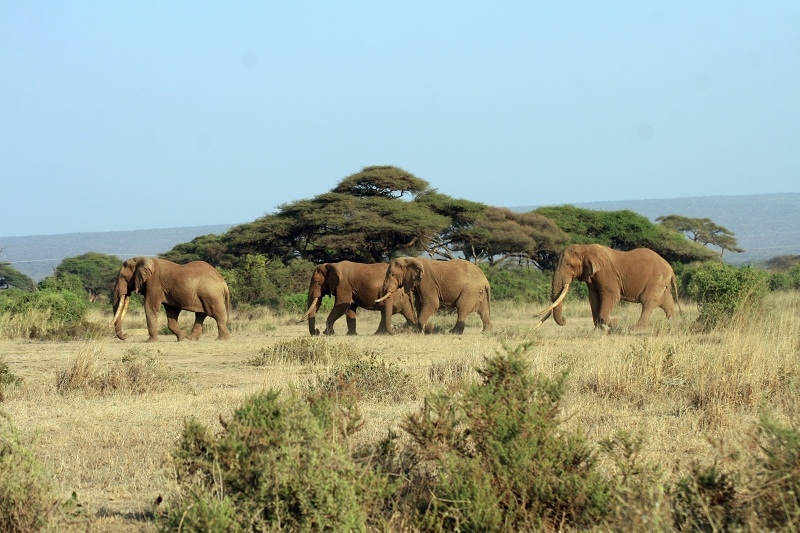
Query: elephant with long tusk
[(195, 286), (352, 285), (638, 276)]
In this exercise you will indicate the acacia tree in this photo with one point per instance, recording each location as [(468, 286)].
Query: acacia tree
[(703, 231), (369, 217), (498, 235), (97, 272)]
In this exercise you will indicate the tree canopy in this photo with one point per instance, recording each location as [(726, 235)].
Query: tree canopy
[(97, 272), (384, 211), (625, 230), (15, 278), (703, 231), (371, 216)]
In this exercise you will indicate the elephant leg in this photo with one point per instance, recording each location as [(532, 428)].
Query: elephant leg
[(668, 304), (461, 320), (607, 303), (426, 311), (337, 311), (486, 319), (197, 328), (222, 327), (152, 322), (350, 316), (594, 304), (172, 321)]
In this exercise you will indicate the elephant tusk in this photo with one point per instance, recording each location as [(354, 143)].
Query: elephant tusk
[(310, 307), (379, 300), (554, 304), (121, 309)]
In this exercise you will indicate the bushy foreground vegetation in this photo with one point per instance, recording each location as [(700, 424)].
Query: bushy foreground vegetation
[(491, 455)]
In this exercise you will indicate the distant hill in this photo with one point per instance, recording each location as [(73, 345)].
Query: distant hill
[(765, 225), (37, 256)]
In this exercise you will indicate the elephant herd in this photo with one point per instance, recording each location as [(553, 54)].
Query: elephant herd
[(414, 287)]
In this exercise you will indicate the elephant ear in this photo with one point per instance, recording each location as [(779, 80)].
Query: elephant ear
[(595, 262), (413, 275), (144, 270), (333, 276)]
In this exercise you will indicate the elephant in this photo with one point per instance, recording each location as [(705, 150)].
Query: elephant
[(638, 276), (454, 283), (195, 286), (352, 285)]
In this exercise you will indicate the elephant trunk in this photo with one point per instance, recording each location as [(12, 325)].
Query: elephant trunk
[(560, 288), (120, 308)]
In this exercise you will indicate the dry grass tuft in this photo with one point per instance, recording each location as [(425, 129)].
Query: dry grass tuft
[(305, 351), (132, 374)]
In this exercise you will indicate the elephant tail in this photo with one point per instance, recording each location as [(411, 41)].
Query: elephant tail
[(675, 288), (228, 305)]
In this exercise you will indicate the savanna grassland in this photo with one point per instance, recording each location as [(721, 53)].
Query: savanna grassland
[(693, 397)]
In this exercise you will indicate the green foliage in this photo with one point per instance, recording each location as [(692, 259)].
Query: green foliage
[(63, 306), (501, 460), (367, 218), (784, 280), (705, 500), (25, 489), (257, 280), (96, 272), (298, 303), (15, 278), (721, 290), (625, 230), (208, 248), (497, 234), (276, 465), (519, 283)]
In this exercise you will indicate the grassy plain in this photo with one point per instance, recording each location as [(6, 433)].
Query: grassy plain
[(693, 396)]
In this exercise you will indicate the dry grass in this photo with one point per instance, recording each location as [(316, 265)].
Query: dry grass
[(689, 394)]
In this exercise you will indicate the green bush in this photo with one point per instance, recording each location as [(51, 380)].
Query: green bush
[(721, 290), (519, 284), (24, 487), (274, 466), (501, 460), (298, 303), (257, 280)]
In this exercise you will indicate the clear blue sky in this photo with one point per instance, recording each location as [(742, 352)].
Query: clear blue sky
[(135, 115)]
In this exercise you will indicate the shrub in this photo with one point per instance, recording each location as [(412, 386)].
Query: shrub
[(370, 378), (6, 379), (50, 313), (721, 290), (24, 487), (501, 461), (705, 500), (298, 303), (273, 467), (520, 284)]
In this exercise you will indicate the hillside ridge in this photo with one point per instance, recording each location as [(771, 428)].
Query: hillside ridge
[(765, 225)]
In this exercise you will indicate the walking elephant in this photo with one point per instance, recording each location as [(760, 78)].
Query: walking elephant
[(638, 276), (455, 283), (352, 285), (195, 287)]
